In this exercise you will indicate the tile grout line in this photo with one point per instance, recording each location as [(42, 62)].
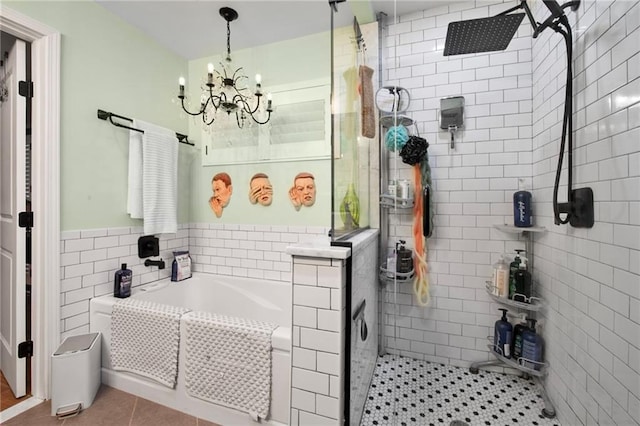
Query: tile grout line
[(135, 404)]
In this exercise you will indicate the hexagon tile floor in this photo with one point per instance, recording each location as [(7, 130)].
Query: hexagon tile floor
[(406, 392)]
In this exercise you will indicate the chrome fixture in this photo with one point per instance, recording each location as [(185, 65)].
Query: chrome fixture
[(227, 91)]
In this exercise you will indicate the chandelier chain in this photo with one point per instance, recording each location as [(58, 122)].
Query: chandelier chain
[(228, 40)]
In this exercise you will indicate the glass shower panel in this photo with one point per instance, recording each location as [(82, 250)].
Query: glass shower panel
[(351, 162)]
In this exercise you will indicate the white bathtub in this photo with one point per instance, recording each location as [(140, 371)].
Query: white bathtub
[(241, 297)]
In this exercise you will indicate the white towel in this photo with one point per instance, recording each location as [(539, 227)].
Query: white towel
[(145, 338), (153, 178), (160, 181), (228, 361), (134, 187)]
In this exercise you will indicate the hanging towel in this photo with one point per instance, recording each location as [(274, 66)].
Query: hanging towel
[(366, 97), (145, 337), (160, 182), (152, 190), (134, 186), (228, 361)]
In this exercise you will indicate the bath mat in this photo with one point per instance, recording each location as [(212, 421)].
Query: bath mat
[(144, 339), (228, 361), (366, 98)]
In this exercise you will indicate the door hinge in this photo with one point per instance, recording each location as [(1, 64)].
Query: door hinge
[(25, 88), (25, 349), (25, 219)]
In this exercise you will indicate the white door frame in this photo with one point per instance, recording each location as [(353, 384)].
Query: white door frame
[(45, 195)]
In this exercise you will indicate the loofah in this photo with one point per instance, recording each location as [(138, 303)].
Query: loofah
[(396, 137), (414, 150)]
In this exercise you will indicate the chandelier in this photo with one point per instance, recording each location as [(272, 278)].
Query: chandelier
[(227, 90)]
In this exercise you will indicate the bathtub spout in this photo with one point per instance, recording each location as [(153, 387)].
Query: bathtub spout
[(158, 263)]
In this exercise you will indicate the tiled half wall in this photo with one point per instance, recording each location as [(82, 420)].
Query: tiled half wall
[(89, 258)]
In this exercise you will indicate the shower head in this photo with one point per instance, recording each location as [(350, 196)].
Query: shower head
[(481, 35)]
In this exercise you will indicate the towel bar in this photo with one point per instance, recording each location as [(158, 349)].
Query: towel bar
[(104, 115)]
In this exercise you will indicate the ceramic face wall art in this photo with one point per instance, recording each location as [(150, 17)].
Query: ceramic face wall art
[(303, 191), (222, 190), (260, 190)]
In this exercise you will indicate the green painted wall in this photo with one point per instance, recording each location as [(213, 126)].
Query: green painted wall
[(288, 62), (106, 64)]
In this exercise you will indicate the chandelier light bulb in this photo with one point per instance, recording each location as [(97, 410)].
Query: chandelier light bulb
[(210, 68), (181, 87), (258, 79)]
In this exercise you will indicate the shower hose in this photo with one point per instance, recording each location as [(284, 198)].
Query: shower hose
[(567, 128)]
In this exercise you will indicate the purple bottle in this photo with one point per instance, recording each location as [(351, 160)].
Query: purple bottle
[(522, 216)]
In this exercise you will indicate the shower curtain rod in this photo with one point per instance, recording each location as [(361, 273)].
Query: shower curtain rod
[(104, 115)]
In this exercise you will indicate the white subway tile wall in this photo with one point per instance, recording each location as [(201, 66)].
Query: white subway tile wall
[(318, 343), (588, 277), (473, 183), (89, 258)]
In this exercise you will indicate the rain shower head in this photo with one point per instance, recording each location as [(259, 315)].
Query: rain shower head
[(481, 35)]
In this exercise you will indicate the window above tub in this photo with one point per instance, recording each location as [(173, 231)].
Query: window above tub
[(299, 129)]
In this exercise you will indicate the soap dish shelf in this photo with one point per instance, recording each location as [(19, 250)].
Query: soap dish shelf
[(511, 229), (534, 305), (393, 202), (395, 276), (533, 368)]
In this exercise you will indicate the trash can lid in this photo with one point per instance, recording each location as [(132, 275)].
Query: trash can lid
[(76, 343)]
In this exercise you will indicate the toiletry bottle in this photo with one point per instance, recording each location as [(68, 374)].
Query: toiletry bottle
[(513, 268), (522, 214), (523, 283), (122, 282), (532, 346), (501, 278), (502, 336), (404, 258), (391, 263), (516, 346)]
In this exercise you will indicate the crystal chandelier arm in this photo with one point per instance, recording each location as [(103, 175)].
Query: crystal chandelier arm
[(204, 119), (184, 108), (262, 122), (239, 98)]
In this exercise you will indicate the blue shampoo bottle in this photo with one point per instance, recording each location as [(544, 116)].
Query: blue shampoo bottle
[(502, 336), (532, 346), (122, 282)]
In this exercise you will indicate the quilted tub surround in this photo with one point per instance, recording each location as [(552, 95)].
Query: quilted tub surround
[(228, 361), (145, 337)]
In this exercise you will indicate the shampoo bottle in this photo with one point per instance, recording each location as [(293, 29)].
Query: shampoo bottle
[(122, 282), (523, 283), (501, 278), (391, 263), (532, 346), (516, 346), (502, 335), (404, 256), (513, 268)]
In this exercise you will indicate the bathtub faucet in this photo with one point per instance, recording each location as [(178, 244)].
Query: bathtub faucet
[(158, 263)]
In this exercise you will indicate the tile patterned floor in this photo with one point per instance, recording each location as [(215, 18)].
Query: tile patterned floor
[(408, 392), (111, 407)]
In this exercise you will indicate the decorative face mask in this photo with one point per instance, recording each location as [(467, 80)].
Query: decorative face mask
[(260, 190), (222, 190), (303, 191)]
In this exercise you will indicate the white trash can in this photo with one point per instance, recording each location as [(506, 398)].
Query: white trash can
[(75, 374)]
